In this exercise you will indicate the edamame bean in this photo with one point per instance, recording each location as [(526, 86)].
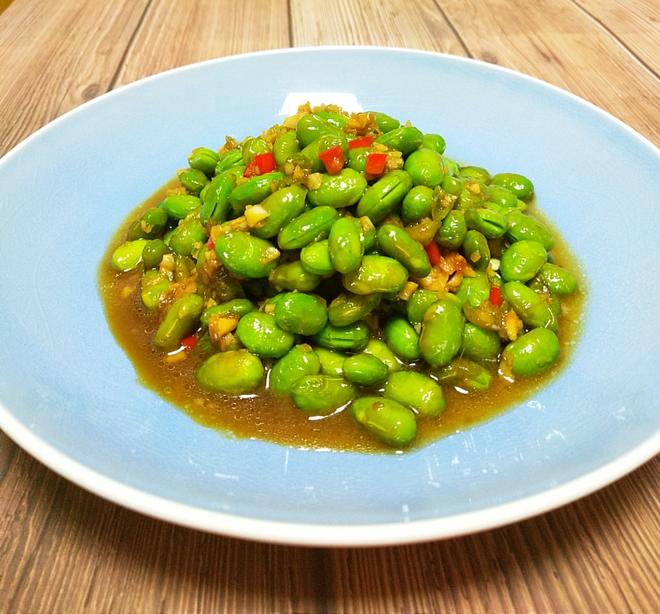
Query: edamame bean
[(151, 225), (322, 394), (517, 184), (153, 287), (384, 122), (293, 276), (193, 180), (522, 260), (442, 332), (365, 370), (418, 303), (253, 146), (187, 236), (391, 422), (128, 255), (285, 146), (153, 253), (425, 167), (529, 305), (315, 258), (521, 226), (179, 206), (384, 196), (560, 280), (234, 308), (531, 354), (479, 343), (402, 338), (180, 320), (312, 152), (231, 159), (299, 361), (300, 313), (474, 290), (357, 158), (488, 222), (416, 391), (204, 159), (452, 231), (501, 197), (333, 117), (398, 244), (282, 206), (307, 228), (475, 173), (245, 255), (465, 374), (259, 333), (332, 363), (453, 186), (346, 244), (343, 189), (348, 308), (254, 190), (232, 372), (417, 204), (379, 349), (476, 250), (376, 274), (215, 198), (311, 127), (435, 142), (353, 337), (405, 138)]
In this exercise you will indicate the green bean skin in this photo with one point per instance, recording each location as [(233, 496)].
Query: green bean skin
[(153, 286), (465, 374), (253, 146), (531, 354), (357, 158), (418, 303), (215, 199), (521, 226), (405, 138), (417, 204), (417, 391), (343, 189), (151, 225), (332, 363), (379, 349), (384, 196), (522, 260), (254, 190), (425, 167), (352, 338), (384, 122), (398, 244), (188, 236), (193, 180), (234, 308), (489, 223), (346, 244), (322, 394), (153, 253), (435, 142), (180, 320), (282, 206), (245, 255), (232, 372), (128, 255), (204, 159), (365, 370), (285, 146), (300, 313), (389, 421), (479, 343), (315, 258), (560, 280), (347, 308), (179, 206), (376, 274), (311, 153), (442, 332), (451, 233), (475, 173), (293, 276), (259, 333), (402, 339), (308, 227), (476, 250), (474, 290), (529, 305), (231, 159), (311, 127), (519, 185), (299, 361)]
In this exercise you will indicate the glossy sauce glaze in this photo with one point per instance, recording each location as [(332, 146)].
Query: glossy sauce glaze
[(275, 418)]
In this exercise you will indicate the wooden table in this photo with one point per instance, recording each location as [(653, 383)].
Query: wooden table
[(64, 550)]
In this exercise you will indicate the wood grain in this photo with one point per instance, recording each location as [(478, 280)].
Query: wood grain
[(65, 550)]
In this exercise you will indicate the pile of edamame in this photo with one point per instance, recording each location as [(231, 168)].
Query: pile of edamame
[(344, 261)]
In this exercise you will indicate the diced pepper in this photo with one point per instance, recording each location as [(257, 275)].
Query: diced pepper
[(375, 164), (495, 296), (363, 141), (433, 252), (260, 165), (189, 342), (333, 159)]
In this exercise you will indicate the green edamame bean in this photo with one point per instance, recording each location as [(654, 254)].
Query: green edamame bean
[(442, 332), (300, 313), (560, 280), (391, 422), (531, 354), (247, 256), (312, 152), (425, 167), (379, 349), (522, 260), (180, 320), (353, 337), (179, 206), (193, 180), (253, 146), (348, 308), (435, 142), (204, 159), (308, 227), (384, 122), (232, 372), (465, 374), (402, 338), (517, 184), (151, 225), (479, 343), (452, 231), (259, 333), (416, 391), (332, 363), (488, 222), (188, 235), (234, 308), (215, 198), (405, 138), (153, 253), (299, 361), (282, 206), (346, 245), (476, 250), (384, 196), (502, 197), (285, 146), (397, 243), (293, 276), (311, 127), (376, 274), (315, 258), (365, 370), (473, 194), (529, 305), (452, 185), (474, 173), (254, 190), (343, 189), (357, 158), (183, 267), (322, 394), (451, 168), (333, 117), (417, 204), (153, 286), (368, 234), (128, 255), (547, 295), (418, 303), (521, 227), (228, 160)]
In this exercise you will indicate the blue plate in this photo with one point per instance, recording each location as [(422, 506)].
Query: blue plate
[(69, 394)]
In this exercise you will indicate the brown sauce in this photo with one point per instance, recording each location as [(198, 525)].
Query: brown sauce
[(273, 418)]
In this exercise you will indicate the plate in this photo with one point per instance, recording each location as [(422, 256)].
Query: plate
[(70, 396)]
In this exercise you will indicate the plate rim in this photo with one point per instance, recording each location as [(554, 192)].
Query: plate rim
[(326, 535)]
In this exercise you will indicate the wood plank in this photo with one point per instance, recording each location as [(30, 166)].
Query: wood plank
[(416, 23), (636, 25), (556, 41), (205, 29), (46, 72)]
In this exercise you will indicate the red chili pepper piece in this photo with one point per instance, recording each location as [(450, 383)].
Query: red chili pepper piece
[(363, 141), (189, 342), (210, 244), (495, 296), (333, 159), (375, 164), (433, 252), (251, 170), (262, 163)]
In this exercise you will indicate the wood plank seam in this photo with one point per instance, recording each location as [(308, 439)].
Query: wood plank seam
[(459, 38)]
